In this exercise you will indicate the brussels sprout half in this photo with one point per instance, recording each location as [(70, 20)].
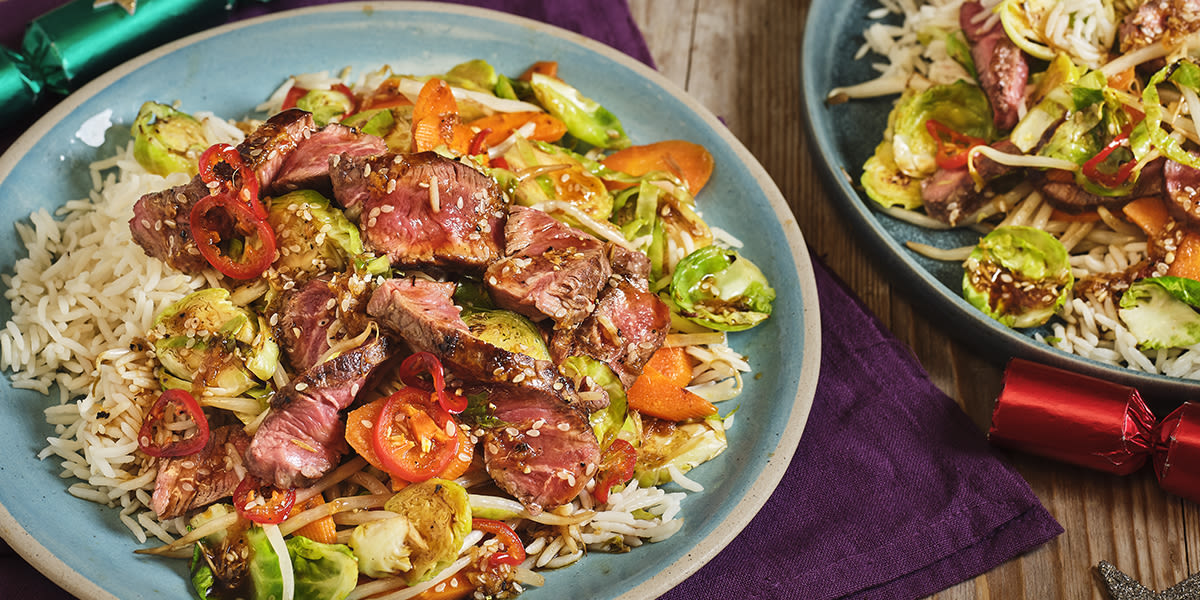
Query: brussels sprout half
[(720, 289), (961, 106), (313, 236), (1160, 313), (440, 510), (167, 141), (1018, 275)]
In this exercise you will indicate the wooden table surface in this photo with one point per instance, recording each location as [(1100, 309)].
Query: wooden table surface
[(741, 59)]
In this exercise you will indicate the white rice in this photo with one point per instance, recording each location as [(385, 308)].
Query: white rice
[(81, 300)]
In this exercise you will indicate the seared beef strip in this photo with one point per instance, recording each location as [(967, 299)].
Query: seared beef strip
[(627, 327), (552, 270), (1183, 191), (265, 150), (308, 312), (1155, 20), (303, 436), (196, 480), (161, 222), (161, 225), (543, 452), (949, 195), (630, 264), (308, 166), (422, 312), (1001, 66), (422, 209), (1066, 195), (524, 395)]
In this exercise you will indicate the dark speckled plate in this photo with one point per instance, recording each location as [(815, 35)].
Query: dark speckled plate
[(845, 136)]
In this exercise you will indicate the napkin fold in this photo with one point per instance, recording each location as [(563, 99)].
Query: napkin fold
[(893, 492)]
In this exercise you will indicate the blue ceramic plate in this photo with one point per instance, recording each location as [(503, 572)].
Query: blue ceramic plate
[(84, 547), (846, 135)]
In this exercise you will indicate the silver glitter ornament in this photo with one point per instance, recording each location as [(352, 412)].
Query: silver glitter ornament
[(1123, 587)]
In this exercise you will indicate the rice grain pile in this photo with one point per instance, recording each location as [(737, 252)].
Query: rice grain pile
[(81, 300)]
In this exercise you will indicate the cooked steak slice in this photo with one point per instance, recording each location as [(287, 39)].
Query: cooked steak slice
[(949, 195), (423, 314), (422, 209), (627, 327), (303, 437), (304, 318), (1157, 20), (552, 270), (307, 315), (161, 222), (630, 264), (542, 452), (187, 482), (265, 150), (307, 167), (1002, 68), (161, 225), (1183, 190)]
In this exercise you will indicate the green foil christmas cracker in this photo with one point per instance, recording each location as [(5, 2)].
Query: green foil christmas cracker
[(79, 40)]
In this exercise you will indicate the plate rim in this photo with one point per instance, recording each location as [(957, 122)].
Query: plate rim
[(758, 490), (1161, 390)]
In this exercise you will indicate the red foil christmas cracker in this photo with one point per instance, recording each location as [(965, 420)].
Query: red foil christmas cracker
[(1097, 424)]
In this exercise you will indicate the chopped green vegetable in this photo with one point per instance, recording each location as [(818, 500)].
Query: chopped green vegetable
[(608, 422), (313, 235), (166, 140), (322, 571), (683, 447), (508, 330), (325, 105), (1160, 312), (436, 511), (1018, 275), (722, 290), (584, 117), (961, 106), (207, 319), (886, 184)]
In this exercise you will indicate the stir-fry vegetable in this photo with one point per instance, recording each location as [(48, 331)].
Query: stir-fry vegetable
[(166, 140), (721, 289)]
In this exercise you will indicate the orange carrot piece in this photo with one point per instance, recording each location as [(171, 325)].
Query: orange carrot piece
[(546, 127), (1087, 216), (689, 161), (436, 121), (360, 424), (549, 68), (674, 364), (653, 394), (386, 95), (1149, 213), (1187, 257), (322, 530)]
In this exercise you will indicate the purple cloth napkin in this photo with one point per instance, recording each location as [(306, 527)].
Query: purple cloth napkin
[(893, 491)]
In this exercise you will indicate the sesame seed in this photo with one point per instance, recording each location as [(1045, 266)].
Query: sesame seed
[(300, 387)]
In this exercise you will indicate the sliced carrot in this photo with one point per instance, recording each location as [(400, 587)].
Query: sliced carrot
[(1187, 257), (1149, 213), (1122, 81), (1087, 216), (359, 425), (322, 530), (549, 68), (546, 127), (689, 161), (655, 395), (457, 586), (436, 121), (674, 364), (386, 95)]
